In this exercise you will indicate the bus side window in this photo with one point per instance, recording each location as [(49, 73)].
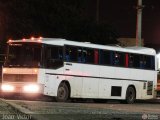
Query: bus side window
[(80, 56), (116, 59), (60, 53), (67, 54), (136, 63), (54, 57), (145, 62), (84, 55), (111, 57), (71, 54), (141, 62), (54, 53), (122, 59), (88, 56), (104, 57), (119, 59), (130, 60), (149, 62), (152, 62), (101, 57), (48, 53)]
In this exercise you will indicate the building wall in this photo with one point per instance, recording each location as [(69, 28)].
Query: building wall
[(127, 42)]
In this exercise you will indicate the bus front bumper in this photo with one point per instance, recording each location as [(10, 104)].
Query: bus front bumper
[(26, 88)]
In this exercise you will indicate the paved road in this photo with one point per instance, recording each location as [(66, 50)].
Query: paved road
[(8, 112), (87, 111)]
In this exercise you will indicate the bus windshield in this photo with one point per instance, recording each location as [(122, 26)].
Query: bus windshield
[(23, 55)]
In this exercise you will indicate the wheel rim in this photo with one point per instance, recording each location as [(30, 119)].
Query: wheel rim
[(130, 95), (61, 93)]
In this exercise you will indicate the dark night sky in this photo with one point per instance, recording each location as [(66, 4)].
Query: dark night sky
[(122, 15)]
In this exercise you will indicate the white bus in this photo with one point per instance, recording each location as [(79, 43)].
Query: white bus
[(67, 69)]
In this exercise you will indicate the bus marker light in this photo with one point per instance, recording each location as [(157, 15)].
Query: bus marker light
[(23, 39), (40, 37), (10, 40), (32, 38)]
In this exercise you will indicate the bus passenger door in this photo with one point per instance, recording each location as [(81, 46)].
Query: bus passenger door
[(54, 65)]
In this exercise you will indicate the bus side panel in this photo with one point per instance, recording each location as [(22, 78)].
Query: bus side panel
[(41, 76), (52, 80), (106, 83), (76, 84), (122, 78), (73, 74), (142, 77), (90, 81)]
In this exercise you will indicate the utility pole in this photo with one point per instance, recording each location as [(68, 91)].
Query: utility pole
[(139, 23)]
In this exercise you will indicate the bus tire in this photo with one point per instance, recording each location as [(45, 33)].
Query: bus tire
[(130, 95), (62, 93)]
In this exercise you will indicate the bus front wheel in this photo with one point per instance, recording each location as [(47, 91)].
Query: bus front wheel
[(62, 93), (130, 95)]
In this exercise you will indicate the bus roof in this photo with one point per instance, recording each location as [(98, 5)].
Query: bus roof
[(62, 42)]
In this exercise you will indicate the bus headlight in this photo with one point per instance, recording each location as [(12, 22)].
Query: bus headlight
[(32, 88), (7, 87)]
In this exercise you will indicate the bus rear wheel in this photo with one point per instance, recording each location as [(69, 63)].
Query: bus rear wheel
[(130, 95), (62, 93)]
